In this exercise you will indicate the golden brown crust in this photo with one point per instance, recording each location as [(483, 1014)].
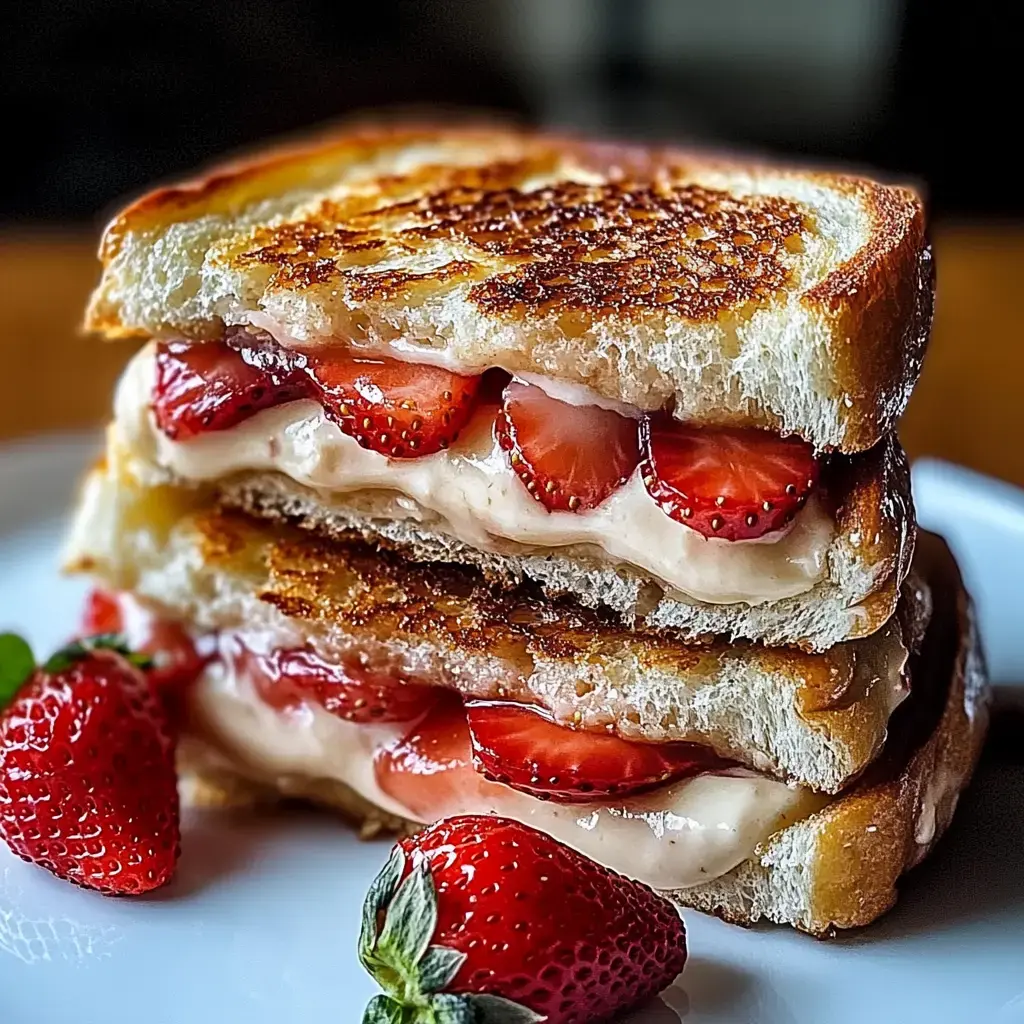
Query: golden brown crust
[(882, 298), (873, 505), (841, 696), (375, 594), (375, 598), (624, 248), (875, 522), (451, 623), (612, 234), (238, 183), (894, 817), (365, 516), (854, 851)]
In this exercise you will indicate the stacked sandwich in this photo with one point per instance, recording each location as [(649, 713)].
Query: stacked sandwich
[(485, 471)]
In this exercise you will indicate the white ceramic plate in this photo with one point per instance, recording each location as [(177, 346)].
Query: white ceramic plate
[(260, 925)]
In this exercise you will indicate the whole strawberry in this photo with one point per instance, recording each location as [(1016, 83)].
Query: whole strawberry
[(483, 920), (87, 782)]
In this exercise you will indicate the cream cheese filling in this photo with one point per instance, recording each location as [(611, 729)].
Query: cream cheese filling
[(671, 838), (471, 493)]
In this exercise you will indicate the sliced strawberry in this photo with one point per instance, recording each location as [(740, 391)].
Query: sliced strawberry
[(431, 767), (729, 483), (177, 660), (211, 386), (402, 410), (570, 457), (102, 614), (522, 747), (288, 678), (284, 367)]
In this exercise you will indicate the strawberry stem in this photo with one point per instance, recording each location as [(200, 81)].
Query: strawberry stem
[(79, 649), (399, 919), (17, 663)]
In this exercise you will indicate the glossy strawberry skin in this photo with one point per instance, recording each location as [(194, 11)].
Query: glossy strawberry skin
[(570, 458), (87, 780), (734, 484), (543, 925), (520, 746), (402, 410), (208, 386), (287, 678)]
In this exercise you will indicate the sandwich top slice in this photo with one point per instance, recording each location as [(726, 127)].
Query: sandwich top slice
[(402, 693), (723, 291), (659, 381)]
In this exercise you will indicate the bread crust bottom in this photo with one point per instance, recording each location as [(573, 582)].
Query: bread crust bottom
[(208, 781)]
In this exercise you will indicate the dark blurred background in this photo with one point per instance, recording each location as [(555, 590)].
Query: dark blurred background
[(101, 98), (107, 95)]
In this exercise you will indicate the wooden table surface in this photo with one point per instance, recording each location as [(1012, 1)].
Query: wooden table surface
[(967, 407)]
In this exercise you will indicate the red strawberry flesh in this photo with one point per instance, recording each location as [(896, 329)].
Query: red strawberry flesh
[(431, 765), (522, 747), (736, 484), (290, 677), (88, 788), (569, 457), (440, 761), (102, 613), (402, 410), (208, 386)]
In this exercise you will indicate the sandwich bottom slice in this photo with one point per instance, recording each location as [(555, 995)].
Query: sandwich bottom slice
[(816, 719), (405, 706)]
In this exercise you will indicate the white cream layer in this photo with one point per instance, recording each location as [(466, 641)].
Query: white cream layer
[(671, 838), (471, 492)]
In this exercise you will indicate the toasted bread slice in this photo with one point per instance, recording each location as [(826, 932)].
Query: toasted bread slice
[(738, 292), (865, 565), (817, 719), (838, 868)]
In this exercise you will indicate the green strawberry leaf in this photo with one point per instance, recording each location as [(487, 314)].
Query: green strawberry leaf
[(498, 1010), (449, 1009), (439, 967), (410, 921), (382, 890), (383, 1010), (79, 649), (17, 663), (412, 972)]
